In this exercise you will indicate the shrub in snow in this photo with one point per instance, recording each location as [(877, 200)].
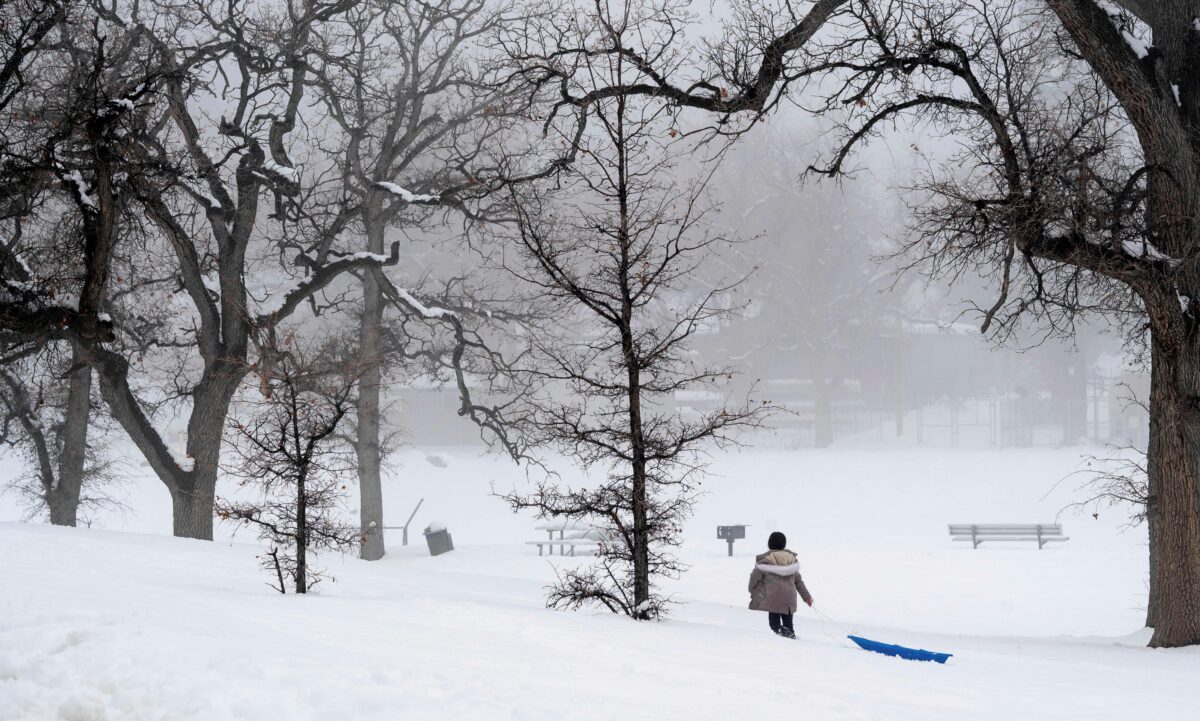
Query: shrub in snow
[(290, 455)]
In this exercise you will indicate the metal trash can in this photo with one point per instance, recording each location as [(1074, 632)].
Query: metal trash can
[(438, 539)]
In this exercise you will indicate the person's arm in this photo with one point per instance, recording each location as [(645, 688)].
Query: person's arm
[(803, 590), (755, 578)]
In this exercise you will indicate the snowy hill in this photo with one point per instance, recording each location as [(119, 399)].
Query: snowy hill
[(108, 625)]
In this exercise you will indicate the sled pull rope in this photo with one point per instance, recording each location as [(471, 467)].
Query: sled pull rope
[(835, 624)]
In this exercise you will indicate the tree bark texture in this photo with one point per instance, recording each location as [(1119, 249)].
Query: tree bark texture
[(1174, 504), (369, 391), (301, 530), (63, 499), (192, 511), (639, 502)]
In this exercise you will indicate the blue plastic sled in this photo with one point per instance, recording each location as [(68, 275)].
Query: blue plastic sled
[(888, 649)]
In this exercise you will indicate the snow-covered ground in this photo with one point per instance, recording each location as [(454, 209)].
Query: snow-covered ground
[(133, 624)]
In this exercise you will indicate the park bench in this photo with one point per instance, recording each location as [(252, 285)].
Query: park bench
[(977, 533)]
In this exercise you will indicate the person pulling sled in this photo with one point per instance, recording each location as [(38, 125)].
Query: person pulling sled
[(774, 583)]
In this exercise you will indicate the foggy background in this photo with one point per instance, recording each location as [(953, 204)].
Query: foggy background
[(831, 326)]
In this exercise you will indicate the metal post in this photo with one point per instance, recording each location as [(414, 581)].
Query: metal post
[(404, 529), (730, 542), (410, 517)]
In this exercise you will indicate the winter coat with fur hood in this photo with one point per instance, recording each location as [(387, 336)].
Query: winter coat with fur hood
[(775, 581)]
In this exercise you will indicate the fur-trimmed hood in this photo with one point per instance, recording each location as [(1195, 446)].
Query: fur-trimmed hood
[(779, 563)]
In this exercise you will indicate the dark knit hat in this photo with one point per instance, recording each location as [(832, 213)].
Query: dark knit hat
[(777, 541)]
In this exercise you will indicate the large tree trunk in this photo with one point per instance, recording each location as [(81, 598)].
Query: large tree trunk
[(1152, 611), (368, 410), (63, 499), (1174, 503), (1159, 377), (195, 491), (192, 510), (64, 509), (192, 489)]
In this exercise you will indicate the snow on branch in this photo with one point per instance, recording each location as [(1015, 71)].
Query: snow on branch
[(1145, 249), (407, 195), (283, 171), (185, 462), (75, 178), (323, 277), (1138, 249), (1124, 25), (424, 310)]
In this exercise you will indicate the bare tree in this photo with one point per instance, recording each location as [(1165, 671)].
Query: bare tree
[(211, 227), (418, 104), (199, 182), (290, 454), (182, 155), (64, 84), (1121, 237), (1061, 201), (1158, 90), (40, 424), (616, 256)]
